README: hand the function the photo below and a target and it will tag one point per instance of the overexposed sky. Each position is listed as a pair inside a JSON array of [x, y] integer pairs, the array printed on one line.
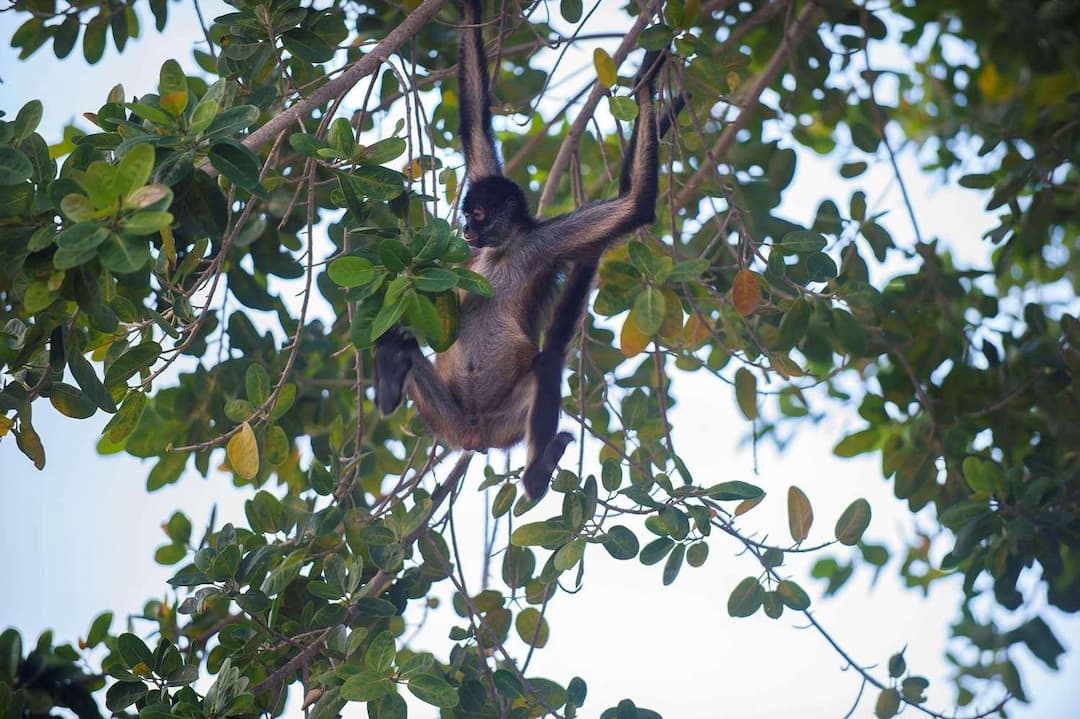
[[79, 537]]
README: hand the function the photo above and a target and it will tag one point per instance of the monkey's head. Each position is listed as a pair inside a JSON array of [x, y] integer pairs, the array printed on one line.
[[495, 210]]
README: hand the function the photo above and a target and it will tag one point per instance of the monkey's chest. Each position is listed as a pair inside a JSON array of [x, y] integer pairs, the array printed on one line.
[[491, 357]]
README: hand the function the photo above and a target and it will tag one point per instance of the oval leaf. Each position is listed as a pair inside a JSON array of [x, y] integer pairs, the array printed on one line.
[[800, 513], [243, 452]]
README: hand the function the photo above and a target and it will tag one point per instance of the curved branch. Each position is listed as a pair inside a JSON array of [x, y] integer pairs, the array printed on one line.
[[573, 135], [374, 587], [807, 19], [347, 80]]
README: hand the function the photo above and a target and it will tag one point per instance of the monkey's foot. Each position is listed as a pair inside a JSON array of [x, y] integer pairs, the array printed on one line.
[[538, 474], [392, 364]]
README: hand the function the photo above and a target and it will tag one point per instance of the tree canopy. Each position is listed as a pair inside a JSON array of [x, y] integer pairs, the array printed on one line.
[[212, 262]]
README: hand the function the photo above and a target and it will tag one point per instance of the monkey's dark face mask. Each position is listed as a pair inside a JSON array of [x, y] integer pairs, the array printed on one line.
[[495, 211]]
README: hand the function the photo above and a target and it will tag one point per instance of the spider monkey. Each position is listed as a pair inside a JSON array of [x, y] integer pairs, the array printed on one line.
[[495, 385]]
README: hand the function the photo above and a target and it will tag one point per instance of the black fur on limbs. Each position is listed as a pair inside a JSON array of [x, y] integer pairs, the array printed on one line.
[[497, 385]]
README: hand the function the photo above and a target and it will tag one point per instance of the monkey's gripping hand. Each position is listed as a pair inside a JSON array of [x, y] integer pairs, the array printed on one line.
[[393, 360]]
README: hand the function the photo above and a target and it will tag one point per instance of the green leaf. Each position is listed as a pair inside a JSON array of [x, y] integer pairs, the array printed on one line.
[[381, 652], [134, 169], [350, 271], [136, 359], [237, 163], [532, 627], [746, 392], [853, 522], [133, 651], [977, 181], [792, 595], [746, 598], [15, 167], [388, 315], [257, 383], [734, 490], [656, 550], [384, 150], [376, 182], [571, 12], [912, 688], [620, 542], [474, 283], [146, 223], [172, 87], [87, 378], [1040, 639], [435, 279], [275, 445], [94, 39], [99, 629], [366, 687], [802, 241], [124, 255], [78, 244], [569, 554], [229, 122], [861, 442], [123, 694], [394, 255], [655, 37], [673, 564], [263, 512], [887, 704], [71, 402], [623, 109], [648, 311], [539, 533], [821, 267], [697, 553], [306, 45], [123, 424], [433, 690]]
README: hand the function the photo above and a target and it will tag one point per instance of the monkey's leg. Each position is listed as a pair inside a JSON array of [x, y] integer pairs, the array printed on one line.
[[438, 407], [393, 359], [546, 446]]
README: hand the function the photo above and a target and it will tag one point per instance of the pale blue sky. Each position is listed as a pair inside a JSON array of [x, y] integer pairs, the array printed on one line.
[[79, 537]]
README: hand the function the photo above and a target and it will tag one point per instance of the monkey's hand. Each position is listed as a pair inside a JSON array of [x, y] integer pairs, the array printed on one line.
[[393, 360]]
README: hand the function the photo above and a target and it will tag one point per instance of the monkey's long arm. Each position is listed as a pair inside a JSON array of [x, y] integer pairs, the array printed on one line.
[[474, 101]]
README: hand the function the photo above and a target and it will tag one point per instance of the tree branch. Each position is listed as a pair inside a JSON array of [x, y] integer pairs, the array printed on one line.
[[347, 80], [573, 135], [807, 19]]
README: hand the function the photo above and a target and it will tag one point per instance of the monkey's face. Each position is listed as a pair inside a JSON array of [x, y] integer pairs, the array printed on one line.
[[495, 211], [475, 224]]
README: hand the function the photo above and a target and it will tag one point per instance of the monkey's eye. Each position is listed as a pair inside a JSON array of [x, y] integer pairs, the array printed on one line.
[[479, 214]]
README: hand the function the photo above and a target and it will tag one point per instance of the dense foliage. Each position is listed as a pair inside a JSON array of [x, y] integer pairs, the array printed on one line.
[[162, 262]]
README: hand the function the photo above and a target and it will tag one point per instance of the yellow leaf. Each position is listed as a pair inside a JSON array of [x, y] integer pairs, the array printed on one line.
[[786, 366], [632, 341], [800, 513], [243, 452], [747, 504], [613, 452], [5, 425], [605, 68], [733, 81], [746, 292], [673, 316], [695, 333]]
